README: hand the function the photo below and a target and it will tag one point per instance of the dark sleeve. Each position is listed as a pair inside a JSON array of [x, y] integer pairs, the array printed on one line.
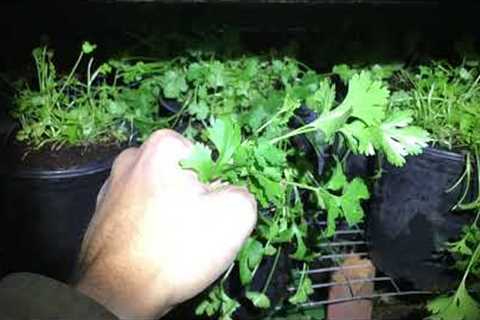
[[31, 296]]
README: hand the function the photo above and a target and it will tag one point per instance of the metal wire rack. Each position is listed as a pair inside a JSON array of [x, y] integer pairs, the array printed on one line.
[[348, 243]]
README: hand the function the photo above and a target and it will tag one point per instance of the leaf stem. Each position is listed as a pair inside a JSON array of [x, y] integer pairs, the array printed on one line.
[[272, 271]]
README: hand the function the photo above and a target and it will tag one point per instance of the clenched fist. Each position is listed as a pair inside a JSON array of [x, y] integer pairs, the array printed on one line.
[[159, 236]]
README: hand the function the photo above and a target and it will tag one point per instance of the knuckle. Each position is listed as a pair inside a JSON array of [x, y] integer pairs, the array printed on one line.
[[124, 158], [246, 202], [162, 136]]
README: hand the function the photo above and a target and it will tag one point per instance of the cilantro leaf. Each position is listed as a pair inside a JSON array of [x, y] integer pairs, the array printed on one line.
[[199, 109], [225, 135], [218, 302], [201, 162], [347, 204], [394, 137], [398, 140], [173, 83], [258, 299], [323, 98], [353, 193], [460, 306], [366, 98], [249, 258], [345, 72], [299, 232], [88, 47], [303, 292], [338, 179]]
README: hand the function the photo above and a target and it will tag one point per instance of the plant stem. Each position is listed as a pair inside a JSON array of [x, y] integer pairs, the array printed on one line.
[[72, 72], [272, 271], [229, 270], [302, 130]]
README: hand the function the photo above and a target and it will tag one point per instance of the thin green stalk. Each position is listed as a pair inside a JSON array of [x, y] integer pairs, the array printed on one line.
[[302, 130], [72, 72], [272, 271]]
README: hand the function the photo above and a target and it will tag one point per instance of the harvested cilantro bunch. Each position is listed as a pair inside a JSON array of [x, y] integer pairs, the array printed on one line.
[[252, 146]]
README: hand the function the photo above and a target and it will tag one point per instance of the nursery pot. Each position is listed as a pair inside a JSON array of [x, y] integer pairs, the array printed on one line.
[[45, 213], [411, 218]]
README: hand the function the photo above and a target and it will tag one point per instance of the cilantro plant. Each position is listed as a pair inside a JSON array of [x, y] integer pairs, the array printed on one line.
[[73, 110], [445, 101], [252, 146]]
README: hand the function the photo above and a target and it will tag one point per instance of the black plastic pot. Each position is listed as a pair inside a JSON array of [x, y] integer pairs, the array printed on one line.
[[410, 219], [45, 214]]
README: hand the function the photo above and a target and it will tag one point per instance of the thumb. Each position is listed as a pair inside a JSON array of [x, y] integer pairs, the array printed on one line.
[[235, 208]]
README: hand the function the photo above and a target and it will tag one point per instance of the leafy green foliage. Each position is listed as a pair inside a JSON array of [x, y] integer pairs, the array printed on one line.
[[443, 100], [394, 137], [63, 110], [366, 98], [225, 135], [258, 154], [347, 204], [304, 290], [239, 111], [249, 258], [460, 306], [218, 302], [258, 299]]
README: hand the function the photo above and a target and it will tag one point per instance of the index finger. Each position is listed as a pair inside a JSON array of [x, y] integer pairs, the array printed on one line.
[[161, 154]]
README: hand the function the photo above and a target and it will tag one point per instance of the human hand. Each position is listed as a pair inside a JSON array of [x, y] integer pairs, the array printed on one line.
[[159, 236]]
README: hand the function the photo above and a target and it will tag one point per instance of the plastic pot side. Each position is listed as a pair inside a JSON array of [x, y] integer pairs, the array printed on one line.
[[410, 219], [45, 215]]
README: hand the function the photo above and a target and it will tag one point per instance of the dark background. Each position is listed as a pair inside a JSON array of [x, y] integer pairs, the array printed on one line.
[[320, 33]]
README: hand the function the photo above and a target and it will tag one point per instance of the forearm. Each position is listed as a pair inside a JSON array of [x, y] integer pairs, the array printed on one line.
[[127, 298], [31, 296]]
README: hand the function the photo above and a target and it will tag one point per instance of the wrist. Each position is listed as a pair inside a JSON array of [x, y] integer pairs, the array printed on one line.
[[126, 299]]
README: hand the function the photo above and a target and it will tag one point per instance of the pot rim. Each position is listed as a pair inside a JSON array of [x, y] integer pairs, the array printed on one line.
[[89, 168], [443, 153]]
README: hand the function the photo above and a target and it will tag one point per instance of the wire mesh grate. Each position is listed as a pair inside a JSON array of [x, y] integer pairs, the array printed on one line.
[[348, 243]]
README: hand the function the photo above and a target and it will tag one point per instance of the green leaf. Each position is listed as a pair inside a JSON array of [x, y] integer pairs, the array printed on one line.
[[460, 306], [367, 98], [301, 250], [201, 162], [350, 202], [323, 98], [398, 140], [268, 154], [249, 258], [337, 180], [344, 71], [173, 83], [225, 135], [199, 109], [216, 76], [332, 205], [315, 314], [394, 137], [218, 303], [88, 48], [303, 292], [258, 299]]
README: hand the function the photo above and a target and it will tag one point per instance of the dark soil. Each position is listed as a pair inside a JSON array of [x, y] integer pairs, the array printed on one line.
[[21, 156]]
